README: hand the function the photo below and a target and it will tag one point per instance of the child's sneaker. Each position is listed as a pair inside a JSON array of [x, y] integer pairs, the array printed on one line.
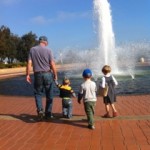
[[92, 127], [115, 114], [69, 116], [48, 116], [64, 116]]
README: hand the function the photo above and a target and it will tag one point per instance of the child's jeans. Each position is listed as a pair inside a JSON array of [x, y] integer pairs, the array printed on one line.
[[89, 108], [67, 107]]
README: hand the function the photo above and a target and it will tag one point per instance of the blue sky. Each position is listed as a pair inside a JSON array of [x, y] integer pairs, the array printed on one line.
[[69, 23]]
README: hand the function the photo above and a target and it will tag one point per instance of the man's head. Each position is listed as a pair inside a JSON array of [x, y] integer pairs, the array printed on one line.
[[43, 39]]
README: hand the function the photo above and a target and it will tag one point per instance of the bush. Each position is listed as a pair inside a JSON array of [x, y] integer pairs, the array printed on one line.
[[2, 66], [13, 65]]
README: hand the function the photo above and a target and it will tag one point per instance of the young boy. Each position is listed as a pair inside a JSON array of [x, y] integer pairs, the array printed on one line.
[[66, 92], [88, 93], [110, 98]]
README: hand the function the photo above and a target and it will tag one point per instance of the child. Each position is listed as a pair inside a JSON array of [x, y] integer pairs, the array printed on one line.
[[88, 93], [66, 93], [111, 96]]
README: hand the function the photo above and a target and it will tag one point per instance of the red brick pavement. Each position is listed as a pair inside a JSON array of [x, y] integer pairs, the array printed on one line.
[[19, 129]]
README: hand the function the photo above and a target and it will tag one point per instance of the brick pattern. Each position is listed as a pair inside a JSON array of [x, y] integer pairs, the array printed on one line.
[[19, 129]]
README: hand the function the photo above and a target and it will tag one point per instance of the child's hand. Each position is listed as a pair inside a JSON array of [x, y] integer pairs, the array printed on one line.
[[79, 101], [74, 95], [80, 96]]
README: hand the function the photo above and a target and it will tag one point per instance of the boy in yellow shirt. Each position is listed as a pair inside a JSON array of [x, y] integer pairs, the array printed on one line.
[[66, 92]]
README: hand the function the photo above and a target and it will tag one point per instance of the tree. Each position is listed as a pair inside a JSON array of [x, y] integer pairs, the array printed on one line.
[[12, 46], [4, 38], [26, 42], [8, 44]]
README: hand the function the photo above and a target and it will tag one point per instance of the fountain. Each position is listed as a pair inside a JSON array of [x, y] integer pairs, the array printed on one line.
[[106, 39], [122, 59], [105, 53], [126, 60]]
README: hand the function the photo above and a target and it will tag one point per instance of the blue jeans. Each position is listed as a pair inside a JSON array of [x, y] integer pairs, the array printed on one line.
[[43, 81], [67, 107]]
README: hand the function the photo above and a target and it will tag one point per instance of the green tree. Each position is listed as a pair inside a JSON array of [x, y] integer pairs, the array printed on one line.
[[26, 42], [12, 48], [4, 38], [8, 44]]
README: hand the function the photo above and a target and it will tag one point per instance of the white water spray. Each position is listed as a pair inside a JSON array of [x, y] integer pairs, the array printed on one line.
[[106, 38]]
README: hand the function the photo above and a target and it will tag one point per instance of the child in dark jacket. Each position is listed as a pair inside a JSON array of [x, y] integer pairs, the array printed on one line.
[[66, 92]]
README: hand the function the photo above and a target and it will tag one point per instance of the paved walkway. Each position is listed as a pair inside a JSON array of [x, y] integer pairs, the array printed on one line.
[[19, 129]]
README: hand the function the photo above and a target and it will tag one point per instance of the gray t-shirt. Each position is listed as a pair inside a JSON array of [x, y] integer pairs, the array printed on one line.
[[88, 89], [41, 57]]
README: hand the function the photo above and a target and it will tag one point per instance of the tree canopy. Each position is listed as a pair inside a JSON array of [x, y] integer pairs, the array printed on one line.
[[14, 47]]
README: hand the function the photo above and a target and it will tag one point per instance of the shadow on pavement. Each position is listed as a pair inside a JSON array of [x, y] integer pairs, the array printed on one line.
[[79, 121]]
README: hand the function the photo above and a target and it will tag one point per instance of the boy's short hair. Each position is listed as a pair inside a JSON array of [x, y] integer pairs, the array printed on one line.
[[66, 81], [106, 69]]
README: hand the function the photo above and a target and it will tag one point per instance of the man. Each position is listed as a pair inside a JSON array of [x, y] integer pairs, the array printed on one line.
[[44, 68]]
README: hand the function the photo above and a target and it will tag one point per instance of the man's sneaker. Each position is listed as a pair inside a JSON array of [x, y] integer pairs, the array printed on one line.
[[48, 116], [115, 114], [40, 115], [92, 127]]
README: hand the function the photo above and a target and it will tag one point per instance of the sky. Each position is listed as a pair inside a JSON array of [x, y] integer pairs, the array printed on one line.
[[68, 24]]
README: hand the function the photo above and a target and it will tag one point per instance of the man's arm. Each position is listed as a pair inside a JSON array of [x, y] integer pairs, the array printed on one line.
[[28, 69], [53, 67]]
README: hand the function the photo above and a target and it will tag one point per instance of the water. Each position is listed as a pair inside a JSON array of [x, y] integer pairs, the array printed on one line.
[[122, 59], [140, 85], [106, 38]]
